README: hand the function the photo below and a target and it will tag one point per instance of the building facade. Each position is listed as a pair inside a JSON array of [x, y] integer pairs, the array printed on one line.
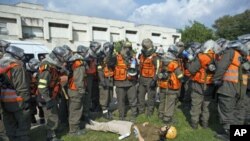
[[31, 22]]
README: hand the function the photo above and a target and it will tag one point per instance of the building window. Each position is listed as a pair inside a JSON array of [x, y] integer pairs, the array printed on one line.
[[99, 29], [175, 37], [58, 25], [100, 34], [31, 32], [3, 28], [156, 34], [130, 32]]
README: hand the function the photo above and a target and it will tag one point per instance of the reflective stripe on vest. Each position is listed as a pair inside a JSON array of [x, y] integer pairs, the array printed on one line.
[[232, 73], [147, 68], [9, 95]]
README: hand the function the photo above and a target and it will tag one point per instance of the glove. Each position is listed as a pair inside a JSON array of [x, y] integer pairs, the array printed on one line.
[[217, 83], [103, 84], [50, 104], [153, 84], [26, 105]]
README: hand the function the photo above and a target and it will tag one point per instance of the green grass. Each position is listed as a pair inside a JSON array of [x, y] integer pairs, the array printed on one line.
[[185, 132]]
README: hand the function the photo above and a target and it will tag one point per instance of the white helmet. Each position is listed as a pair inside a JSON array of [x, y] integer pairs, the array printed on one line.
[[209, 45]]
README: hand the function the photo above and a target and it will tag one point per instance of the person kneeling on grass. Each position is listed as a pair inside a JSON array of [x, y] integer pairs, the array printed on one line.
[[142, 132]]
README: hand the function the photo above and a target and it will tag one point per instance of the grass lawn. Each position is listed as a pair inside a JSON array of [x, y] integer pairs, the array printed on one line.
[[181, 118]]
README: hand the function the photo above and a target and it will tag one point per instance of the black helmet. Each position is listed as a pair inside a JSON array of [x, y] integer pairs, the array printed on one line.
[[16, 52], [82, 50], [33, 64], [94, 48], [108, 48], [61, 53]]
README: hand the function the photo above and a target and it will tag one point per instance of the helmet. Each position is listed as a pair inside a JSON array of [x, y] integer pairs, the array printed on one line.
[[160, 51], [61, 53], [82, 50], [16, 52], [195, 46], [4, 43], [173, 49], [179, 44], [33, 64], [147, 44], [67, 47], [209, 45], [167, 57], [147, 47], [171, 132], [244, 38], [127, 44], [94, 49], [223, 43], [108, 48], [237, 45]]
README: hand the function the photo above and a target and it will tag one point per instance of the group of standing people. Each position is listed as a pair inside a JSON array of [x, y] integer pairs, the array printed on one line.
[[84, 81]]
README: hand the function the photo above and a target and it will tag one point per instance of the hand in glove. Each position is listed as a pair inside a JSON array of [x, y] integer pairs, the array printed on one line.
[[50, 104], [153, 84]]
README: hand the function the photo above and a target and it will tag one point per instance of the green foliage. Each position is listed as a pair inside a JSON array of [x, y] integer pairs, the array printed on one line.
[[230, 27], [197, 32]]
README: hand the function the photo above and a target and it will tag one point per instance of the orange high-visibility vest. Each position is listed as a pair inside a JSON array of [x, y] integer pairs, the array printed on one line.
[[54, 84], [108, 72], [232, 73], [120, 72], [147, 68], [172, 82], [8, 94], [92, 67], [74, 66], [202, 76]]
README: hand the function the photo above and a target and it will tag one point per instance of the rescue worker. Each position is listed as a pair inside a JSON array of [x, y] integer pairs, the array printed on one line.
[[63, 100], [85, 118], [48, 87], [202, 70], [76, 91], [188, 56], [231, 82], [106, 73], [170, 84], [32, 72], [92, 77], [125, 77], [245, 39], [3, 136], [15, 95], [149, 67]]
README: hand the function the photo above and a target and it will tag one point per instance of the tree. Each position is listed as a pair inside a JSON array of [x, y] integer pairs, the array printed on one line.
[[230, 27], [197, 32]]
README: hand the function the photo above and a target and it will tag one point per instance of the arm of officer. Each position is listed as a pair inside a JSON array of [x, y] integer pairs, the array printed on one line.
[[178, 72], [100, 73], [43, 85], [19, 80], [156, 62], [194, 66], [223, 64], [78, 76]]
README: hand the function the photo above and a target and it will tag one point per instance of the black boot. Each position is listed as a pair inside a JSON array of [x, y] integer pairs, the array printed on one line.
[[224, 136]]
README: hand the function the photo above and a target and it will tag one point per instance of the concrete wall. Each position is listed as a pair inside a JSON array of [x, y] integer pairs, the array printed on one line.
[[31, 22]]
